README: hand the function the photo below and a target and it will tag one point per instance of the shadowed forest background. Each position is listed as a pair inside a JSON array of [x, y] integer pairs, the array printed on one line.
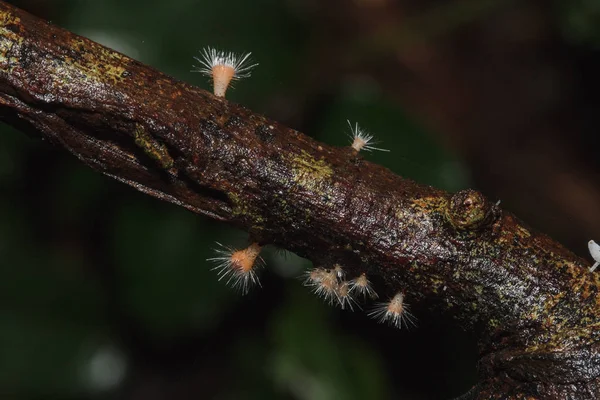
[[105, 292]]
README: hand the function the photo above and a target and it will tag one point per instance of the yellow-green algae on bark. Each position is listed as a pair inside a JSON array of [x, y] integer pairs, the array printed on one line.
[[310, 173], [152, 147], [8, 40]]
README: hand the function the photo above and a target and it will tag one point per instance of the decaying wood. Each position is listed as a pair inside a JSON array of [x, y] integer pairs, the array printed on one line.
[[533, 302]]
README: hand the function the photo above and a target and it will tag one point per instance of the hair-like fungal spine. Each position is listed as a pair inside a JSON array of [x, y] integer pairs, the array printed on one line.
[[313, 277], [595, 253], [395, 312], [329, 285], [363, 287], [344, 296], [361, 139], [223, 67], [323, 283], [238, 266], [339, 271]]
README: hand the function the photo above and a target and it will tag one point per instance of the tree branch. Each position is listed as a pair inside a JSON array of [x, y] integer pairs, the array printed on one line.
[[534, 303]]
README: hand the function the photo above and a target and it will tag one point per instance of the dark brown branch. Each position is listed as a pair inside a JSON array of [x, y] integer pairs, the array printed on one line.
[[533, 302]]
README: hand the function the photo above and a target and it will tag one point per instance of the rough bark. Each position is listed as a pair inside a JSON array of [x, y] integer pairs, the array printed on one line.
[[533, 302]]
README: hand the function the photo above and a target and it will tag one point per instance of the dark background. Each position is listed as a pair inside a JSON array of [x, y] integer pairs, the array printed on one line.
[[105, 293]]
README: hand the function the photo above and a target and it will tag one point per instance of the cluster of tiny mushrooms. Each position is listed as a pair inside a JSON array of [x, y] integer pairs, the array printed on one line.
[[238, 266]]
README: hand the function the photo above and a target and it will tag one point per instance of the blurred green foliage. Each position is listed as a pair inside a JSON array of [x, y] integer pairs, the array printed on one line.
[[580, 21], [97, 279]]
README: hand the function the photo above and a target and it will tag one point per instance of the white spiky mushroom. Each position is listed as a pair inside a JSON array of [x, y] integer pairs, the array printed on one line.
[[324, 283], [362, 286], [361, 139], [223, 67], [344, 296], [595, 253], [238, 266], [339, 271], [395, 312]]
